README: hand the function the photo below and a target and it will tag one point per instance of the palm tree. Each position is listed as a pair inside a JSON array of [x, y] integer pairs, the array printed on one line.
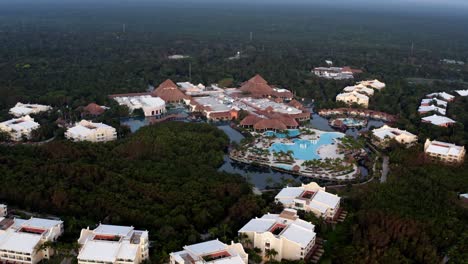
[[271, 253]]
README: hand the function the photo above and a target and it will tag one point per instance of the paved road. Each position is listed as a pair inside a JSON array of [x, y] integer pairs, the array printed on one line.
[[385, 169]]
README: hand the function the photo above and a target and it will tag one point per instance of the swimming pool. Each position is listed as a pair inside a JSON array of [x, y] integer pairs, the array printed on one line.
[[306, 149], [282, 166], [292, 133]]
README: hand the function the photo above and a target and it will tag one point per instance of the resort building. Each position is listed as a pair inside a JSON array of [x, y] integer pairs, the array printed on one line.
[[214, 108], [3, 210], [375, 84], [364, 113], [445, 152], [360, 89], [310, 198], [19, 128], [434, 101], [169, 92], [437, 120], [151, 106], [258, 87], [291, 237], [462, 92], [335, 73], [353, 97], [21, 109], [423, 109], [20, 240], [93, 132], [93, 109], [384, 134], [113, 244], [210, 252], [200, 89], [443, 95]]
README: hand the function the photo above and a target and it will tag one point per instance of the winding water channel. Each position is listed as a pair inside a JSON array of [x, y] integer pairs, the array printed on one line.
[[263, 177]]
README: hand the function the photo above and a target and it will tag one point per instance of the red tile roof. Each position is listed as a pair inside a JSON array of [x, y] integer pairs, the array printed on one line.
[[250, 120], [94, 109], [257, 86], [296, 104], [169, 92], [273, 124]]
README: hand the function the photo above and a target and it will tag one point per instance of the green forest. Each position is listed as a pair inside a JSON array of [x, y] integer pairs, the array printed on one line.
[[162, 179]]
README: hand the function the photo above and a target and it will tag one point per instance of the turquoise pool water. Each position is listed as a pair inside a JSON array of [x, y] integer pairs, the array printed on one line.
[[305, 149], [292, 133], [352, 122], [283, 166]]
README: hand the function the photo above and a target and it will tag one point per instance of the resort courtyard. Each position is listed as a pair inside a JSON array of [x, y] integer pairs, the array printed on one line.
[[306, 152]]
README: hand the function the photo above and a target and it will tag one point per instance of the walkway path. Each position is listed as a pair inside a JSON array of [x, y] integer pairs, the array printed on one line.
[[385, 169]]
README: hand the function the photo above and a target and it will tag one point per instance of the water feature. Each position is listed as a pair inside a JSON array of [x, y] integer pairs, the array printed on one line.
[[260, 177], [290, 134], [303, 149], [135, 123], [321, 123]]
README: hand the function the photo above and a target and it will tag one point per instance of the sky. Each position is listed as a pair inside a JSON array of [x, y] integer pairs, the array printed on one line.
[[403, 5]]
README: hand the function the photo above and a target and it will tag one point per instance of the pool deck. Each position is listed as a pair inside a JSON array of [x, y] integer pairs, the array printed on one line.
[[262, 153]]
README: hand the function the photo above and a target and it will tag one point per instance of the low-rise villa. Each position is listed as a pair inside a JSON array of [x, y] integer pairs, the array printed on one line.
[[438, 120], [336, 73], [211, 252], [353, 97], [384, 134], [291, 237], [19, 128], [311, 198], [151, 106], [462, 92], [360, 89], [434, 101], [423, 109], [21, 240], [360, 92], [3, 210], [445, 152], [93, 132], [375, 84], [113, 244], [21, 109], [442, 95]]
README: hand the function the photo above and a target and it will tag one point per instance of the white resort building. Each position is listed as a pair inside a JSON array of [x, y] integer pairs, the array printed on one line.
[[310, 198], [442, 95], [212, 252], [438, 120], [423, 109], [291, 237], [360, 89], [113, 244], [93, 132], [445, 152], [21, 109], [3, 210], [335, 73], [353, 97], [151, 106], [19, 128], [376, 84], [384, 134], [20, 239]]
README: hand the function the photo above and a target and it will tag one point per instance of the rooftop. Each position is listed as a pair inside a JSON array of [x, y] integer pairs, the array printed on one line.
[[291, 228], [443, 148], [438, 120]]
